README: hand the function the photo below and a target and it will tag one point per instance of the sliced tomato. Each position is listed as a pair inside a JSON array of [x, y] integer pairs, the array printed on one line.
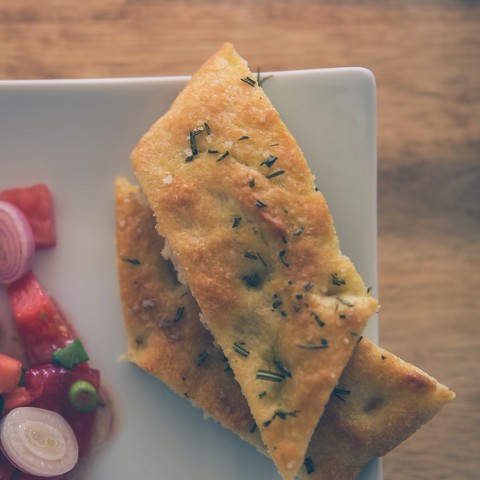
[[41, 325], [36, 203], [10, 373]]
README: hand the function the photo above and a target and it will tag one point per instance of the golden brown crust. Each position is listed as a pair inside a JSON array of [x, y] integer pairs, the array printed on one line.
[[277, 282], [165, 336], [380, 399]]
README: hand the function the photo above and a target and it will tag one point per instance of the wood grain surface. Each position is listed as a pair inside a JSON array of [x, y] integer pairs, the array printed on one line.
[[426, 59]]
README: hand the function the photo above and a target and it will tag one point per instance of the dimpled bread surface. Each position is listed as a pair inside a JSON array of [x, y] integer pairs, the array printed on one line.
[[233, 195], [379, 402]]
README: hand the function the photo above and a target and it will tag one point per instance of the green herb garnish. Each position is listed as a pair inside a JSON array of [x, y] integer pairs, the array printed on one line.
[[276, 174], [178, 314], [250, 255], [83, 396], [252, 281], [340, 393], [281, 254], [309, 466], [336, 280], [270, 376], [321, 346], [262, 394], [240, 349], [193, 141], [251, 183], [244, 137], [236, 222], [202, 356], [213, 152], [308, 286], [253, 427], [133, 261], [207, 128], [317, 319], [225, 155], [345, 302], [282, 369], [282, 414], [249, 80], [269, 161], [71, 355], [260, 204]]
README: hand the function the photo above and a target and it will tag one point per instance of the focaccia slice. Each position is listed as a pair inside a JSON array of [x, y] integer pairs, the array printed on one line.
[[235, 198], [379, 402]]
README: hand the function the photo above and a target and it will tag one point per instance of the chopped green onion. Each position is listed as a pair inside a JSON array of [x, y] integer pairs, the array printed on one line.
[[71, 355], [83, 396]]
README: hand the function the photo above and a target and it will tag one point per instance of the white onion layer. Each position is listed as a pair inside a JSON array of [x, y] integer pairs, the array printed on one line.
[[17, 245], [38, 441]]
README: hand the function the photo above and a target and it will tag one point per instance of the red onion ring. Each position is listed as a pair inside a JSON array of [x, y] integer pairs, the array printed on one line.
[[17, 245]]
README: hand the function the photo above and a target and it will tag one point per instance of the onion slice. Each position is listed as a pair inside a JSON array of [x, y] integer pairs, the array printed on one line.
[[17, 245], [38, 441]]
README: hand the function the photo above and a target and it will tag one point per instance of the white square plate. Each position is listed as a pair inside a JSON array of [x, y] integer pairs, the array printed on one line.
[[76, 136]]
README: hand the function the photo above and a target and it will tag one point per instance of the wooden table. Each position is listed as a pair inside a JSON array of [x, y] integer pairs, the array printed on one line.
[[426, 58]]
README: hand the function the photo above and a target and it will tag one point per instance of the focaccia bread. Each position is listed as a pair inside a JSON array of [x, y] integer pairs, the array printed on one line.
[[233, 195], [379, 401]]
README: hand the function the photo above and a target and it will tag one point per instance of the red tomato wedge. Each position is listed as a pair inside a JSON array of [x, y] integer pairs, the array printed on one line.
[[42, 327], [36, 203]]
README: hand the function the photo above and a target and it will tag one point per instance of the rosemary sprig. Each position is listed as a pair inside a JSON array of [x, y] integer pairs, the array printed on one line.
[[252, 281], [282, 368], [270, 376], [202, 356], [269, 161], [276, 174], [309, 466], [320, 322], [345, 302], [281, 255], [225, 155], [336, 280], [321, 346], [240, 349], [282, 414], [133, 261], [249, 81], [340, 393], [178, 314]]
